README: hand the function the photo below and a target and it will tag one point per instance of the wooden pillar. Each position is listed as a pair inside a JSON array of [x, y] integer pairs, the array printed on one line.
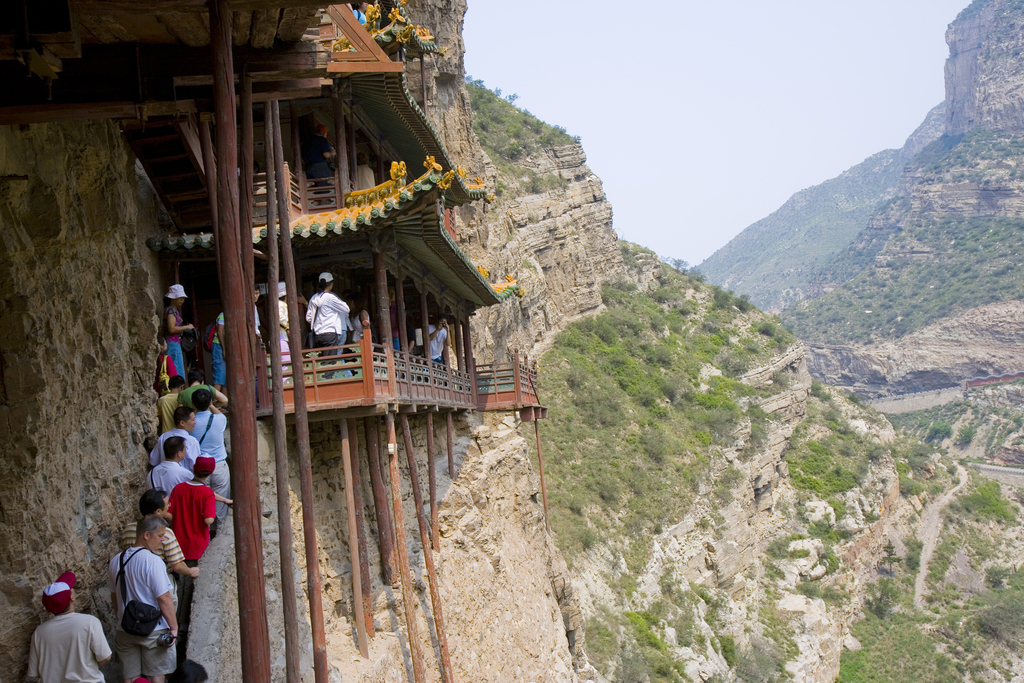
[[432, 480], [380, 280], [428, 554], [403, 331], [353, 544], [298, 169], [252, 599], [357, 495], [408, 597], [425, 324], [457, 333], [451, 446], [344, 183], [245, 209], [385, 530], [286, 537], [350, 128], [210, 169], [314, 586], [467, 345]]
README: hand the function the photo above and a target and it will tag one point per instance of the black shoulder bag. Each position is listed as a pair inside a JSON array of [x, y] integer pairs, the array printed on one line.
[[139, 619]]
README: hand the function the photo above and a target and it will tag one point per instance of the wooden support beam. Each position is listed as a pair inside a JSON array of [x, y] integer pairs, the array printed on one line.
[[451, 446], [432, 482], [343, 182], [286, 535], [245, 198], [177, 6], [357, 494], [353, 544], [313, 580], [403, 330], [428, 555], [247, 513], [385, 528], [408, 597], [467, 345]]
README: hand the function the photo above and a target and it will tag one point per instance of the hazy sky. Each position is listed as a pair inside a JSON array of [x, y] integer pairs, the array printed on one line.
[[702, 118]]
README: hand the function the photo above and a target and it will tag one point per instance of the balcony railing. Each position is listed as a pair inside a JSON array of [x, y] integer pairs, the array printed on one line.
[[365, 374]]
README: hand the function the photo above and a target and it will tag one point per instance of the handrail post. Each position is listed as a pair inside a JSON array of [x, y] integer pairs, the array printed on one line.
[[517, 379], [380, 279], [366, 349]]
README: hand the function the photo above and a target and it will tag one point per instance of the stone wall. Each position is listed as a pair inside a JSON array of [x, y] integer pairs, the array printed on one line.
[[909, 403], [508, 604], [78, 321]]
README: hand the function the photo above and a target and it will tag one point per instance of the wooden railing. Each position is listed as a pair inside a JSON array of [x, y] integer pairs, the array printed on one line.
[[366, 374], [506, 386]]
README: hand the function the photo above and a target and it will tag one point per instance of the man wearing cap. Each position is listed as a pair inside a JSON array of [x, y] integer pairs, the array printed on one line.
[[193, 510], [327, 315], [146, 581], [68, 646], [184, 422], [315, 153]]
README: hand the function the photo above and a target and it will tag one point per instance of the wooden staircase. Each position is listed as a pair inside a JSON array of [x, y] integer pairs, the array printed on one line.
[[170, 153]]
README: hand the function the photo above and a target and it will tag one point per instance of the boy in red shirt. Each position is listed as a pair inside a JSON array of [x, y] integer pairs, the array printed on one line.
[[193, 510]]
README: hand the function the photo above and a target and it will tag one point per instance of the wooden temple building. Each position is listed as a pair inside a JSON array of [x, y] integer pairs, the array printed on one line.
[[216, 100]]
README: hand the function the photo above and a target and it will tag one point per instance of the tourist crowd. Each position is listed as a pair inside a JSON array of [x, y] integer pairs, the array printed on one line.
[[152, 579]]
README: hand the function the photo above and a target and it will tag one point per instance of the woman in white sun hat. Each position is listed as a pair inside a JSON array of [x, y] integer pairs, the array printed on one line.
[[174, 325]]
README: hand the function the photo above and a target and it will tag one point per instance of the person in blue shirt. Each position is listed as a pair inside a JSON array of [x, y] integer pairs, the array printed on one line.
[[359, 9], [315, 154], [209, 432]]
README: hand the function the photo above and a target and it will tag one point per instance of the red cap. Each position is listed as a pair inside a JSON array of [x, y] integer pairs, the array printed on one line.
[[57, 595], [140, 679], [320, 128], [204, 465]]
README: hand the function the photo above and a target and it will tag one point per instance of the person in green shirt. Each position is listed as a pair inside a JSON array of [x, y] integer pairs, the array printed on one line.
[[195, 383]]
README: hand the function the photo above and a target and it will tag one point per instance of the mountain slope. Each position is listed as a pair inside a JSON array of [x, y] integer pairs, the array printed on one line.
[[777, 261]]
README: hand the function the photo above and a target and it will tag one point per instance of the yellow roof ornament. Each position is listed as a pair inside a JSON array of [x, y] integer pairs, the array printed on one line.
[[431, 164]]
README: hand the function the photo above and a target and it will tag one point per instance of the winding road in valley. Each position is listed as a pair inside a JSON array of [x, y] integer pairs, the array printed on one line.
[[931, 526]]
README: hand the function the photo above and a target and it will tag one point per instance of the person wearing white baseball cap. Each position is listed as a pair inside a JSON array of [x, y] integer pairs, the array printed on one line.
[[327, 316], [68, 646], [175, 325]]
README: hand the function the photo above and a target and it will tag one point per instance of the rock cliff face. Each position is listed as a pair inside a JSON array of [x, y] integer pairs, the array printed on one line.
[[983, 70], [76, 381], [984, 341], [559, 244]]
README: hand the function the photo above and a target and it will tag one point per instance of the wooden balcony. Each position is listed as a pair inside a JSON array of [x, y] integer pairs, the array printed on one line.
[[369, 378]]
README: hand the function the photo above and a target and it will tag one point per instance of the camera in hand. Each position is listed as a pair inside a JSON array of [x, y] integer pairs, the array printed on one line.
[[165, 639]]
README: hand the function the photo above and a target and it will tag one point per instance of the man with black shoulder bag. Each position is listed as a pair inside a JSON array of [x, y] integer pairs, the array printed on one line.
[[144, 638]]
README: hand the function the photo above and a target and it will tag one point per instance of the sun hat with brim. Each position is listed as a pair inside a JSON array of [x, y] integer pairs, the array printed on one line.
[[176, 292], [57, 596], [204, 465], [282, 289]]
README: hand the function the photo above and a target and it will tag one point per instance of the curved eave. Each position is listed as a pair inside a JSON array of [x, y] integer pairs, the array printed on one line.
[[389, 103], [416, 46]]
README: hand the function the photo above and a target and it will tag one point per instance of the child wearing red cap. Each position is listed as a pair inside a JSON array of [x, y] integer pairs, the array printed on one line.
[[193, 509], [68, 646]]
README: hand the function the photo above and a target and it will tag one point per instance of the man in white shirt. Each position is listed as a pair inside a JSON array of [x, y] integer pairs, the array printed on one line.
[[184, 422], [438, 337], [145, 580], [170, 472], [327, 316], [68, 646]]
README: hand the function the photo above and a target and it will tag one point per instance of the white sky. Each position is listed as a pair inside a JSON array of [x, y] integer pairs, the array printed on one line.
[[702, 118]]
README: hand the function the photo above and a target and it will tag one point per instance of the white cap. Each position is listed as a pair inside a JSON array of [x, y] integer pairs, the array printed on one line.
[[282, 289], [326, 277], [176, 292]]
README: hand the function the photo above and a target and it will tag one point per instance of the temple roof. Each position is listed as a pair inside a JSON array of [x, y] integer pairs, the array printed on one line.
[[420, 233], [398, 31]]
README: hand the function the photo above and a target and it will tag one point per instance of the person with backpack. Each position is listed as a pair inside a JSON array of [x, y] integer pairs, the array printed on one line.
[[174, 325], [165, 369], [209, 432], [140, 590]]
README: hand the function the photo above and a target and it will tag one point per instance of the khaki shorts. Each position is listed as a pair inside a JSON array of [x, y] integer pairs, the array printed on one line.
[[143, 656]]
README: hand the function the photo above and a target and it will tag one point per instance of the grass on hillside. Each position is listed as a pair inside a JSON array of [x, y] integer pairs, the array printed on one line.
[[975, 262], [510, 134], [634, 426]]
